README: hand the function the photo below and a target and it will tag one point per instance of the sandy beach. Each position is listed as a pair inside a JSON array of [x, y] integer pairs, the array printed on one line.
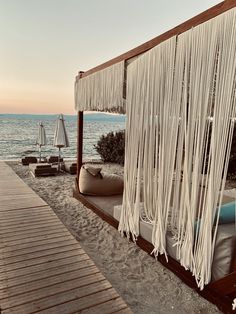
[[143, 283]]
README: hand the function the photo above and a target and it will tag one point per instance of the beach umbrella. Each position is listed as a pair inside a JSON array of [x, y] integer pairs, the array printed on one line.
[[41, 139], [60, 137]]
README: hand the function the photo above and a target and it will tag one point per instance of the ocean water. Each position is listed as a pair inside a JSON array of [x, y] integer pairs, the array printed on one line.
[[18, 133]]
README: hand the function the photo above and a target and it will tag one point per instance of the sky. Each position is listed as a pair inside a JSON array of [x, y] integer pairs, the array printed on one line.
[[44, 43]]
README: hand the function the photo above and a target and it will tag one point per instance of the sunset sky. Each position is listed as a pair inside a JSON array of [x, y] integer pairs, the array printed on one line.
[[44, 43]]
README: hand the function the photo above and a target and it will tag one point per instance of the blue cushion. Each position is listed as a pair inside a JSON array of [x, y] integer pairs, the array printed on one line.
[[226, 216], [227, 213]]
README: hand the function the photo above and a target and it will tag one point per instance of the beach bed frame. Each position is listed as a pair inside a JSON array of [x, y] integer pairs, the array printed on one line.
[[220, 292], [44, 169]]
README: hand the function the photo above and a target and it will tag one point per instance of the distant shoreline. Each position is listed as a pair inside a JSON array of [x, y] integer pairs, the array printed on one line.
[[19, 133], [89, 113]]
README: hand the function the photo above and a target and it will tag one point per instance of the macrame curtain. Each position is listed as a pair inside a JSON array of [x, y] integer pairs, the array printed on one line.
[[180, 119], [101, 91]]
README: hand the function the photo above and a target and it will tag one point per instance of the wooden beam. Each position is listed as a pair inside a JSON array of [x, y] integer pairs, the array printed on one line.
[[225, 285], [193, 22]]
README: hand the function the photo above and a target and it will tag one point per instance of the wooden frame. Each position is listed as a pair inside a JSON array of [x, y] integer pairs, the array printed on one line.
[[220, 292], [198, 19]]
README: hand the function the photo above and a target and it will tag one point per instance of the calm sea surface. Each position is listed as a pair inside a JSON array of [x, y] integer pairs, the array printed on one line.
[[18, 134]]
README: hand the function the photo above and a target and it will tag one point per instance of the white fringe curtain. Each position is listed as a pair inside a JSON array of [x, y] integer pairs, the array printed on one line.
[[101, 91], [180, 108]]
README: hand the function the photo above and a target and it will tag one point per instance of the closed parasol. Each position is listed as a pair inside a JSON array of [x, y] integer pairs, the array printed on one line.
[[41, 139], [60, 137]]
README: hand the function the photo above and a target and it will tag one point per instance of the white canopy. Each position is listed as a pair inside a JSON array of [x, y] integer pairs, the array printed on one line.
[[101, 91], [176, 158]]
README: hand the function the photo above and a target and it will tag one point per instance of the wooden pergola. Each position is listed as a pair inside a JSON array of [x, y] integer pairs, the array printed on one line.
[[198, 19], [220, 292]]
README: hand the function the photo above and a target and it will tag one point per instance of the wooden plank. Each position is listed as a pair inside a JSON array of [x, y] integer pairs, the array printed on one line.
[[30, 221], [17, 186], [187, 25], [21, 211], [40, 283], [57, 270], [30, 201], [26, 213], [49, 234], [32, 231], [111, 306], [7, 174], [76, 257], [29, 224], [26, 220], [8, 171], [12, 220], [40, 249], [63, 253], [15, 248], [46, 250], [79, 304], [3, 165], [19, 191], [36, 257], [5, 169], [8, 182], [21, 197], [53, 295], [44, 231]]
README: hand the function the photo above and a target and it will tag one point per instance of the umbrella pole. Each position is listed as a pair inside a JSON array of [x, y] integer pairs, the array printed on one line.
[[39, 153], [59, 157]]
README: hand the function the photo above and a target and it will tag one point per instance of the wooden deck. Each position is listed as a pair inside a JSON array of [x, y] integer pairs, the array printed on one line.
[[43, 269]]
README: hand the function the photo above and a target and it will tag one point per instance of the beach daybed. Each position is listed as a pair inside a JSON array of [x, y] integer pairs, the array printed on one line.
[[29, 160], [69, 167], [225, 247], [177, 129], [53, 159], [224, 261], [220, 290], [39, 170]]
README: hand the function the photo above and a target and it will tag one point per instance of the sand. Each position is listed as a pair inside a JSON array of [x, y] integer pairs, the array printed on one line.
[[143, 283]]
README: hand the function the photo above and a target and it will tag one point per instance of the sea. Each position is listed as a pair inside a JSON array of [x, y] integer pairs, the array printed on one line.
[[18, 134]]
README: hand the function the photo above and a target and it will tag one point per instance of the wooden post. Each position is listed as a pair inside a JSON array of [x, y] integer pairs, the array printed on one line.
[[80, 142], [80, 125]]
